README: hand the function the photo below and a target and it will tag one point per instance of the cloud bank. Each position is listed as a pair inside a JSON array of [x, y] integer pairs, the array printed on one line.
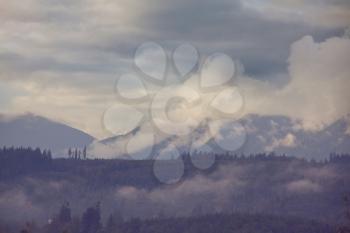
[[60, 58], [317, 91]]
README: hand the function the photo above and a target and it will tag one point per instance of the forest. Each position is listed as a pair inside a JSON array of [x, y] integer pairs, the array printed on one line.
[[90, 222], [240, 193]]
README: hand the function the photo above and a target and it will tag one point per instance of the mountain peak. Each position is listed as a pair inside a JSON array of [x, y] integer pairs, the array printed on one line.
[[30, 130]]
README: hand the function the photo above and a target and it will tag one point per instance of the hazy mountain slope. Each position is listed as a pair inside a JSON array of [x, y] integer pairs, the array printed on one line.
[[284, 135], [35, 131], [278, 134]]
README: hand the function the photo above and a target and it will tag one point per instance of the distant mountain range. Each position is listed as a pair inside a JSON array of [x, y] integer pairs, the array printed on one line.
[[284, 135], [34, 131], [278, 134]]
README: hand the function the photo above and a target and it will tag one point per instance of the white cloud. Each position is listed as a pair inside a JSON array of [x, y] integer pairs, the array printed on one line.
[[288, 141], [317, 91], [101, 150]]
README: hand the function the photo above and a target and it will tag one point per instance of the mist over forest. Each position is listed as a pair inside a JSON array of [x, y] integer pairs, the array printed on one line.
[[34, 187]]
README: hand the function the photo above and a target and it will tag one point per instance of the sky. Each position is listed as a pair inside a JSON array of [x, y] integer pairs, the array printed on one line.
[[61, 58]]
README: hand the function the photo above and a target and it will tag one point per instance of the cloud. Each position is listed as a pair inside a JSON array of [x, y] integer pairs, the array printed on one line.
[[303, 186], [319, 174], [62, 57], [183, 198], [28, 201], [16, 201], [319, 13], [108, 151], [317, 91], [288, 141]]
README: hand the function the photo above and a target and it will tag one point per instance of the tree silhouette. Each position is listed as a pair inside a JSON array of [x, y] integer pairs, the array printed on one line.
[[91, 220], [346, 229], [69, 153], [84, 152], [111, 224], [64, 215]]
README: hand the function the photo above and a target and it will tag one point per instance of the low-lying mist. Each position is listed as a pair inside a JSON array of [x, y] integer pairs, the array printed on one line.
[[273, 186]]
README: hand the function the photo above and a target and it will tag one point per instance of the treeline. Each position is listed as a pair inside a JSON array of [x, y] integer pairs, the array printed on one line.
[[272, 156], [91, 222], [16, 162], [77, 153], [12, 152], [339, 158], [20, 161]]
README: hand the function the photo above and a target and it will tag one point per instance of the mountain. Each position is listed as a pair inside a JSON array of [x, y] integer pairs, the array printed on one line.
[[35, 131], [287, 136], [278, 134]]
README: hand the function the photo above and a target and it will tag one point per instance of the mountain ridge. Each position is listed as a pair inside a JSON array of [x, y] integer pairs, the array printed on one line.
[[265, 133], [273, 133], [30, 130]]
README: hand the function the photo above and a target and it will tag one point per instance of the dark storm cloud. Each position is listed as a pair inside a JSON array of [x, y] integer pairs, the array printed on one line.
[[259, 41]]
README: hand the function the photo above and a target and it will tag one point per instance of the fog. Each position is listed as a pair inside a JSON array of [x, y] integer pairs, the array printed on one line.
[[275, 187]]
